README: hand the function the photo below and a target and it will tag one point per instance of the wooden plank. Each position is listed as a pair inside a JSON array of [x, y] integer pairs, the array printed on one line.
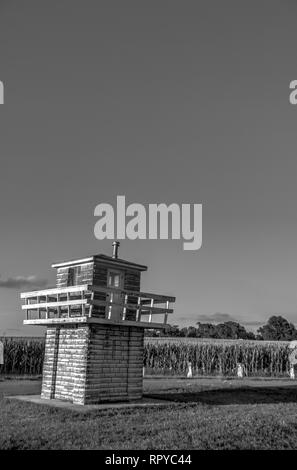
[[85, 319], [144, 310], [46, 305], [65, 264], [89, 287], [132, 293], [44, 292]]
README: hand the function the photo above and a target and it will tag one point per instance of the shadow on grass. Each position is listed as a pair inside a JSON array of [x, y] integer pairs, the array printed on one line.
[[234, 396]]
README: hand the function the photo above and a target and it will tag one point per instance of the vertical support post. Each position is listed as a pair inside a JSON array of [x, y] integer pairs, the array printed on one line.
[[58, 307], [46, 308], [166, 314], [125, 308], [110, 305], [83, 309], [138, 311], [38, 310], [91, 305], [68, 298], [55, 363], [150, 316]]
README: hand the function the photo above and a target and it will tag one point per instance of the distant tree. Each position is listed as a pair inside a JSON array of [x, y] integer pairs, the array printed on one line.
[[184, 331], [151, 333], [231, 330], [206, 330], [192, 332], [258, 336], [173, 330], [278, 329], [251, 335], [227, 330]]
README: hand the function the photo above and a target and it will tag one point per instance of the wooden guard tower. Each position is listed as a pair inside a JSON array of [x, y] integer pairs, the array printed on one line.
[[95, 320]]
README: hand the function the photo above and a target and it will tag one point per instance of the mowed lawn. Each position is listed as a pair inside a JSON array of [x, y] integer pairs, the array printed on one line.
[[206, 414]]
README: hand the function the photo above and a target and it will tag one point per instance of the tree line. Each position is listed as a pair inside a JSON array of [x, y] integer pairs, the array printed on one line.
[[277, 328]]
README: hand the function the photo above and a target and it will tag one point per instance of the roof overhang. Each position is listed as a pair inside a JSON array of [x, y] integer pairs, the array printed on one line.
[[93, 320], [102, 258]]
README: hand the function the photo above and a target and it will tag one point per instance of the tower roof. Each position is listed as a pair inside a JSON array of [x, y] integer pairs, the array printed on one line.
[[103, 258]]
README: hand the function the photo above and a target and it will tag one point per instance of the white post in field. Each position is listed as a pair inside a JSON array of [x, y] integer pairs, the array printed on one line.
[[190, 373], [1, 353], [1, 93]]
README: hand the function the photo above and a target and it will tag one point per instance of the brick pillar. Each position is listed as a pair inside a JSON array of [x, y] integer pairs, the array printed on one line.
[[50, 362], [93, 363], [80, 366], [135, 363], [114, 364]]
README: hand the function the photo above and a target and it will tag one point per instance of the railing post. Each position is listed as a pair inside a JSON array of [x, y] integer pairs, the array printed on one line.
[[91, 306], [38, 310], [125, 308], [110, 306], [58, 307], [138, 311], [166, 314], [46, 308], [83, 310], [68, 299], [150, 316]]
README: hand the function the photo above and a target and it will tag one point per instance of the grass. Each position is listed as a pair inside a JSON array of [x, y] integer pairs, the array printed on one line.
[[227, 416]]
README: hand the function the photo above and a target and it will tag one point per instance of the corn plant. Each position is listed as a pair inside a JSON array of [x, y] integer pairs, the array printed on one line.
[[22, 356], [25, 356], [265, 359]]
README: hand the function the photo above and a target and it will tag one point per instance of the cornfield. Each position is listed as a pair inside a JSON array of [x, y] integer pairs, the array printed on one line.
[[170, 356], [216, 358], [22, 356]]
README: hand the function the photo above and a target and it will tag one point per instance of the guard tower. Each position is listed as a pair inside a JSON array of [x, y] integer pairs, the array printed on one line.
[[95, 319]]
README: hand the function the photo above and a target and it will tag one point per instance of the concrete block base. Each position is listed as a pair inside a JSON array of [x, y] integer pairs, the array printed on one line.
[[93, 363], [143, 403]]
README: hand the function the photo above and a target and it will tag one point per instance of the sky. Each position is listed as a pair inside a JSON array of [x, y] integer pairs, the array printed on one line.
[[161, 101]]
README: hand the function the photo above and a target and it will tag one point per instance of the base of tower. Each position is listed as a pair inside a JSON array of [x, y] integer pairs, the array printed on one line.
[[145, 402], [93, 363]]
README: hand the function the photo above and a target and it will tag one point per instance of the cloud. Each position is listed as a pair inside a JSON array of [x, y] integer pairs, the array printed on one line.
[[224, 317], [215, 318], [253, 323], [23, 282]]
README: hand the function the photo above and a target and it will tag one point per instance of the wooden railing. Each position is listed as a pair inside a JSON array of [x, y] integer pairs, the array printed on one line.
[[85, 301]]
